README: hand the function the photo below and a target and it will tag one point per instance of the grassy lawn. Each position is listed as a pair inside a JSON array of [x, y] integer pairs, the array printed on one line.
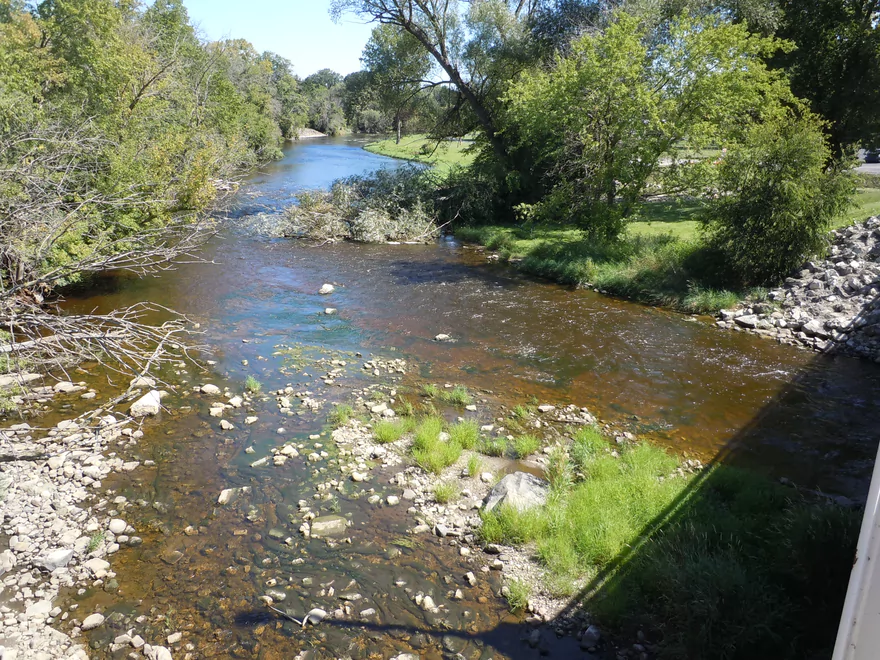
[[720, 563], [418, 147]]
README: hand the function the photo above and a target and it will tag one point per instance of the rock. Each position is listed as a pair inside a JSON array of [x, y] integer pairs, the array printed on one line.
[[330, 310], [331, 525], [65, 387], [442, 337], [545, 408], [148, 404], [314, 617], [10, 380], [93, 621], [142, 382], [157, 653], [209, 389], [326, 289], [39, 610], [55, 559], [520, 490], [392, 500], [226, 425], [117, 526], [97, 566], [173, 638], [250, 420], [226, 495], [590, 637], [816, 328], [7, 561], [747, 321]]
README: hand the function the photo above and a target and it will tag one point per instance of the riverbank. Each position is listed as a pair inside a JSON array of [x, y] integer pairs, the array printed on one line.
[[442, 155], [615, 542]]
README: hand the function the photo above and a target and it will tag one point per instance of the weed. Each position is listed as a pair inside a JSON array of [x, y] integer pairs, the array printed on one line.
[[587, 444], [474, 466], [445, 492], [431, 391], [385, 432], [340, 415], [430, 452], [466, 433], [559, 470], [378, 395], [95, 541], [520, 412], [518, 594], [404, 408], [252, 385], [457, 396], [526, 445], [494, 446]]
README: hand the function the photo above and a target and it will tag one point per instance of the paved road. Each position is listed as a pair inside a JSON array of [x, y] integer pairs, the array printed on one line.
[[871, 168]]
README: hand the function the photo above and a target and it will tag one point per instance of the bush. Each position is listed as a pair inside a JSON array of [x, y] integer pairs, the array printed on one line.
[[526, 445], [778, 199], [445, 492], [252, 385], [466, 433]]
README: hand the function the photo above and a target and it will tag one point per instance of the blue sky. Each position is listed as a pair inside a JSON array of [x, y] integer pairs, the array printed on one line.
[[300, 30]]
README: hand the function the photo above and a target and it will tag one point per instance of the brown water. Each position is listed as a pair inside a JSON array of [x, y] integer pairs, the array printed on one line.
[[710, 393]]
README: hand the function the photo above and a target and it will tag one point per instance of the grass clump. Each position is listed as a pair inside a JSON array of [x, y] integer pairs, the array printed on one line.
[[340, 415], [405, 408], [431, 391], [430, 452], [474, 465], [252, 385], [445, 492], [725, 563], [457, 396], [520, 412], [526, 445], [95, 541], [494, 446], [385, 431], [466, 433], [518, 594]]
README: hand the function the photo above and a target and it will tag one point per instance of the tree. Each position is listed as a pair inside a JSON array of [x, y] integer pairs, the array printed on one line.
[[442, 30], [399, 66], [598, 125], [778, 199], [836, 65]]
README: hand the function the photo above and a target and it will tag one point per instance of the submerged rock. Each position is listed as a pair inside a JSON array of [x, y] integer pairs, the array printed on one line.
[[329, 525], [326, 288], [148, 404], [520, 490]]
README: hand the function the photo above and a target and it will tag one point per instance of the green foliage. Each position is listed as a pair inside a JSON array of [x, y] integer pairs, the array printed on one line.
[[430, 452], [95, 541], [252, 385], [456, 396], [526, 445], [518, 594], [494, 446], [698, 87], [385, 431], [474, 465], [404, 408], [431, 391], [445, 492], [465, 433], [779, 200], [340, 415]]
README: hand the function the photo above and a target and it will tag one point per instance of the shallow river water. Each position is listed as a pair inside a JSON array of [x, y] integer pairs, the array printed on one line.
[[714, 394]]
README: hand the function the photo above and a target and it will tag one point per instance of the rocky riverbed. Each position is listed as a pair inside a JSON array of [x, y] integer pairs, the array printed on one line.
[[831, 305]]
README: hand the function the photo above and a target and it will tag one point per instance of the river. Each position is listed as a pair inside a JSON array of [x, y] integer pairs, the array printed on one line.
[[713, 394]]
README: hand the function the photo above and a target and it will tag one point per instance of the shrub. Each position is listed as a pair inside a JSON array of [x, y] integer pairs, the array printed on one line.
[[778, 199]]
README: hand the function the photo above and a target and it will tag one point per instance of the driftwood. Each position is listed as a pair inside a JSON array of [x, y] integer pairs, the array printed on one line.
[[13, 458]]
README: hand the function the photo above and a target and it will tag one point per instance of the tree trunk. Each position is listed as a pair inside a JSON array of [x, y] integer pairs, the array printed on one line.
[[398, 123]]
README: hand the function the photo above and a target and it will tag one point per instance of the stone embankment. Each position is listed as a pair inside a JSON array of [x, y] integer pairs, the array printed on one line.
[[829, 306]]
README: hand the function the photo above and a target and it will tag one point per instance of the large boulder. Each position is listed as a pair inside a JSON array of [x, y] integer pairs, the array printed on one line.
[[55, 559], [520, 490]]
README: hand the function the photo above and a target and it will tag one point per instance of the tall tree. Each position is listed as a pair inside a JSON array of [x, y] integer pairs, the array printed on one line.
[[399, 66], [837, 65]]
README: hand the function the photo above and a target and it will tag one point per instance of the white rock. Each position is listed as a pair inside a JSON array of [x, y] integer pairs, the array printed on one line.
[[225, 495], [92, 621], [330, 310], [236, 402], [173, 638], [55, 559], [157, 653], [210, 389], [392, 500], [250, 420], [117, 526], [545, 408], [142, 382], [226, 425], [148, 404], [326, 288]]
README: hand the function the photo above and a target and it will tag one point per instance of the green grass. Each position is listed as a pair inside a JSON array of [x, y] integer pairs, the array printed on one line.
[[526, 445], [727, 564], [442, 156], [404, 408], [340, 415], [474, 465], [465, 433], [867, 205], [7, 405], [521, 412], [95, 541], [493, 446], [445, 492], [385, 431], [252, 385], [456, 396], [431, 391], [518, 594], [654, 267], [430, 452]]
